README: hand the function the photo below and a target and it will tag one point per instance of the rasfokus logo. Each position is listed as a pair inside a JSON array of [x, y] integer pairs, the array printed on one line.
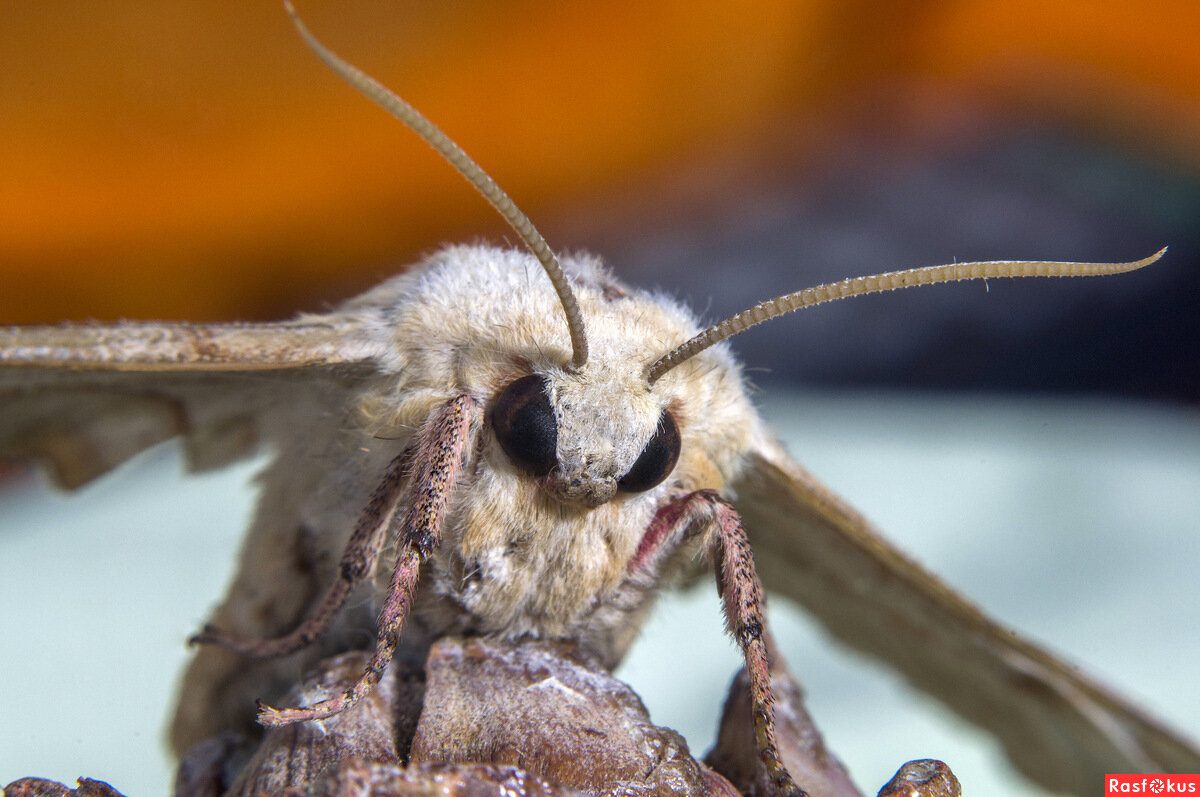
[[1151, 784]]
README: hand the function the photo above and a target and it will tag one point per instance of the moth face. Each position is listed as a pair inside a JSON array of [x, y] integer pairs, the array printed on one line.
[[587, 436]]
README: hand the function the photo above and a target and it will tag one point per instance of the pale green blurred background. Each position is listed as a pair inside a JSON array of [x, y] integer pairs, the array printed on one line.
[[1073, 521]]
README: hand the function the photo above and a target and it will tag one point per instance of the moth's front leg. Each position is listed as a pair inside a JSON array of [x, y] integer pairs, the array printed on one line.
[[438, 458], [742, 595]]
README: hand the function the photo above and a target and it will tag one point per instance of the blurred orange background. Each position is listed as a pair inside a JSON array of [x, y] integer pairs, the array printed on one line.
[[195, 161]]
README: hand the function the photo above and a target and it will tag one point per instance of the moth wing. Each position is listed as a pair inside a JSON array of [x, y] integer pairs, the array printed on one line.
[[84, 398], [1060, 728]]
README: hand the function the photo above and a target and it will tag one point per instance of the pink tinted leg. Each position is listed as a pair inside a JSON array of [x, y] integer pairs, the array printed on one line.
[[741, 592]]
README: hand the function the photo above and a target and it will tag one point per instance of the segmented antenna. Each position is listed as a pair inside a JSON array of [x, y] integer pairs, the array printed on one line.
[[890, 281], [469, 169]]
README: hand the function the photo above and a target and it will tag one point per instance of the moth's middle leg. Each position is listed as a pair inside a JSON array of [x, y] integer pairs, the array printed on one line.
[[358, 562]]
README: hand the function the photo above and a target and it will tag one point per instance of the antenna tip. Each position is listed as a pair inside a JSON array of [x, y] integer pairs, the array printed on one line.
[[1145, 261]]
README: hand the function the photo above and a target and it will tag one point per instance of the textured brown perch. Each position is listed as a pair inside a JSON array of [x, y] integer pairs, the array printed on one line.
[[488, 719]]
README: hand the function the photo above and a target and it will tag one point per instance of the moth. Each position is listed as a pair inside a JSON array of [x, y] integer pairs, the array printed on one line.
[[500, 443]]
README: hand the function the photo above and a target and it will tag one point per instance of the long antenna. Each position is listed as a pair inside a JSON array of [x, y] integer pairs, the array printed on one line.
[[464, 165], [890, 281]]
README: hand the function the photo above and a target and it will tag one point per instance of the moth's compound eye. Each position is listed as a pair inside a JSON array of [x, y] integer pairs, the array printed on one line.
[[657, 459], [524, 424]]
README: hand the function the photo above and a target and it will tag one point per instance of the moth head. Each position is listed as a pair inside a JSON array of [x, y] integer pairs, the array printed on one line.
[[563, 427], [587, 435]]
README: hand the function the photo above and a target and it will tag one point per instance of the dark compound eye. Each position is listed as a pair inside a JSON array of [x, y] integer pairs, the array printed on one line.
[[524, 424], [657, 460]]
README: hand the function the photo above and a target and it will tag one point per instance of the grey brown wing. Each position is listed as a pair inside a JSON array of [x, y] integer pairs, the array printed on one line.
[[84, 398], [1060, 728]]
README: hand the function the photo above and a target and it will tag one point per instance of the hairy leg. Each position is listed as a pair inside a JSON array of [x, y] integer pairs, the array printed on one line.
[[742, 595], [437, 462]]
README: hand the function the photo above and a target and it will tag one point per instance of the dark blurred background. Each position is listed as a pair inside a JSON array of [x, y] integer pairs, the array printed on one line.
[[196, 162]]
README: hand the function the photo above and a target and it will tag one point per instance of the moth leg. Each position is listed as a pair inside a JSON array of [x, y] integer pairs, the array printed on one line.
[[358, 563], [437, 463], [742, 595]]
